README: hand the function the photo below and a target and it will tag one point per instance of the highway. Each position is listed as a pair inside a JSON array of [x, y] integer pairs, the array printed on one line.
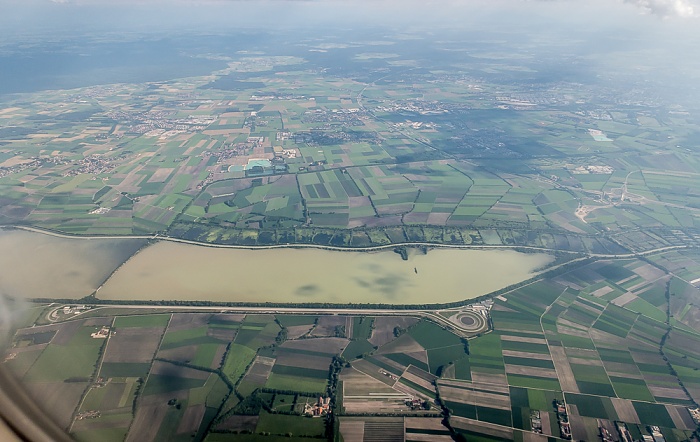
[[52, 316]]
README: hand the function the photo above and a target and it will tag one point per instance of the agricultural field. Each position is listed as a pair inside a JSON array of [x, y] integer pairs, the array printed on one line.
[[357, 429], [257, 158], [601, 342], [580, 350], [596, 339], [184, 376], [288, 131]]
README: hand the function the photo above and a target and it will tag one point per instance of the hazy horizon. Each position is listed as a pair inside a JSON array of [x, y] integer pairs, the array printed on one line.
[[220, 15]]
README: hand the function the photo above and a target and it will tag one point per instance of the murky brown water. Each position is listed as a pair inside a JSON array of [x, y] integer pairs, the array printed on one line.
[[37, 265], [41, 266], [183, 272]]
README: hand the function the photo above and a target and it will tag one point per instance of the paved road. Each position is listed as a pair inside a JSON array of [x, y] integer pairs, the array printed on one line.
[[52, 318]]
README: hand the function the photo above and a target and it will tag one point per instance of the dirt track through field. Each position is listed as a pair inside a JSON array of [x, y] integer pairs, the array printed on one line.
[[564, 372]]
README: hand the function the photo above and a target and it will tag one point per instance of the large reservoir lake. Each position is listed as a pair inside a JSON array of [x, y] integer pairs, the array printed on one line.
[[39, 265], [179, 272]]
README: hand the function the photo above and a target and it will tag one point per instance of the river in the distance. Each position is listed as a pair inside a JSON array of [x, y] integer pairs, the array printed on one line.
[[170, 271]]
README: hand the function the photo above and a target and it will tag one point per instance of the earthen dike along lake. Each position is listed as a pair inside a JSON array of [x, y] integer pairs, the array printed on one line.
[[37, 265]]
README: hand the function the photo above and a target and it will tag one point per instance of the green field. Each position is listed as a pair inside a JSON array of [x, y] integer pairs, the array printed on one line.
[[357, 348], [76, 359], [295, 383], [237, 359], [165, 384], [349, 137], [294, 425], [142, 321], [373, 182], [294, 320], [431, 336], [612, 352]]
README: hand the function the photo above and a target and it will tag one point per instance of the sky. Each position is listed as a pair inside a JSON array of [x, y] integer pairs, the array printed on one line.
[[669, 28], [55, 15]]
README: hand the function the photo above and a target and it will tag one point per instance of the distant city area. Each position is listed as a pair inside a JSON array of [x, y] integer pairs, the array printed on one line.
[[247, 156], [355, 233]]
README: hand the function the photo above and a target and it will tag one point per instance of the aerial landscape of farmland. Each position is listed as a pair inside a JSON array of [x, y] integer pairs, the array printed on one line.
[[609, 344], [351, 221]]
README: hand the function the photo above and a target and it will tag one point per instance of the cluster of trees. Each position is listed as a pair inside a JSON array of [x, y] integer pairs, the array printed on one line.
[[403, 251], [331, 391], [281, 336], [276, 231], [251, 405], [93, 300], [339, 331]]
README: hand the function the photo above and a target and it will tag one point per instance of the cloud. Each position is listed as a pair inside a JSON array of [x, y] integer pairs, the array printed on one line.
[[9, 308], [307, 290], [661, 8], [667, 8]]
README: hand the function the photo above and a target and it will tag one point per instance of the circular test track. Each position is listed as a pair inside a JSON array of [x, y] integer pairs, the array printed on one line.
[[469, 321]]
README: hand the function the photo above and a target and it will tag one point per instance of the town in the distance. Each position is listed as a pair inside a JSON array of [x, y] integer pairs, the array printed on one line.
[[393, 235]]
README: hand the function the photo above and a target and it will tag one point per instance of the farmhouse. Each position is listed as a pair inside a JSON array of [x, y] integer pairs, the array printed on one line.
[[320, 408], [415, 403], [695, 413], [102, 334], [624, 432]]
